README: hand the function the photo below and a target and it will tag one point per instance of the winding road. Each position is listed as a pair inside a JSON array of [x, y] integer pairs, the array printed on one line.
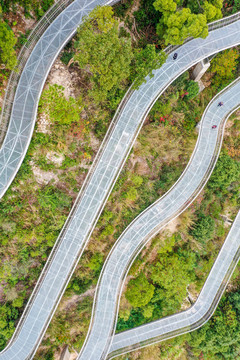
[[198, 314], [154, 218], [103, 174]]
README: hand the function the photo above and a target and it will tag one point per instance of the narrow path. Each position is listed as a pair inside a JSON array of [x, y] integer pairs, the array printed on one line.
[[150, 221]]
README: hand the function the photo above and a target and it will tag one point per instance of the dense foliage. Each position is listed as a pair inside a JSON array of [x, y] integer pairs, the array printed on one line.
[[38, 6], [60, 110], [109, 57], [7, 42], [220, 337]]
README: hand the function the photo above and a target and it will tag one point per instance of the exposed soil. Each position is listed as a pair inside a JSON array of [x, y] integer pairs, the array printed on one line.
[[73, 300], [60, 75]]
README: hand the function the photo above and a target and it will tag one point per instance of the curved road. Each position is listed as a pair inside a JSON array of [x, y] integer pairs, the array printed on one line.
[[110, 159], [198, 314], [31, 82], [150, 221]]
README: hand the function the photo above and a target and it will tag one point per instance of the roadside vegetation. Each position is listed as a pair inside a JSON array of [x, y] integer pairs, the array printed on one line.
[[71, 125]]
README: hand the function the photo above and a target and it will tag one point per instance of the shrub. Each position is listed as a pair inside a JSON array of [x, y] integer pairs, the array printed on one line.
[[139, 291], [203, 228], [192, 88]]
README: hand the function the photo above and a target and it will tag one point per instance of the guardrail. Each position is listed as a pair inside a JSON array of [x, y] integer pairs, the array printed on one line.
[[195, 325], [26, 50], [36, 33], [55, 248], [174, 215]]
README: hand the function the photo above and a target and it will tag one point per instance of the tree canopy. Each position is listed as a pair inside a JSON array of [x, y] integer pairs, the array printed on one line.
[[109, 57], [8, 40], [60, 109], [101, 51], [177, 25], [225, 63], [145, 61], [203, 228], [139, 291], [226, 171], [220, 337], [172, 273]]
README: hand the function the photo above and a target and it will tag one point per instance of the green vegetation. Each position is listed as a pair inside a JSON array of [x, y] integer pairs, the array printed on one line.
[[218, 339], [59, 109], [38, 6], [109, 57], [105, 58], [203, 230], [180, 25], [8, 57], [139, 291], [225, 173], [103, 52]]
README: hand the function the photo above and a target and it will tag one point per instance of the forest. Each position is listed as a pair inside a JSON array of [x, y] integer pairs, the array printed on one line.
[[114, 48]]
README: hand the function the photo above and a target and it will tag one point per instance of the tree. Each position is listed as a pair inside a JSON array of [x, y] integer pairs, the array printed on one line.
[[165, 5], [139, 291], [177, 25], [183, 24], [59, 109], [172, 273], [236, 6], [145, 61], [103, 53], [192, 88], [220, 337], [8, 315], [203, 228], [212, 12], [227, 170], [225, 63], [8, 57]]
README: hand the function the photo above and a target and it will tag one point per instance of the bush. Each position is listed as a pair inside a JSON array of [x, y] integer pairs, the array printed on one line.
[[203, 228], [192, 89], [227, 170], [59, 109], [139, 291]]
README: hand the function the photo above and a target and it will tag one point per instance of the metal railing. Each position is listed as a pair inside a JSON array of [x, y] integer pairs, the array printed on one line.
[[186, 204], [195, 325], [120, 109], [24, 53]]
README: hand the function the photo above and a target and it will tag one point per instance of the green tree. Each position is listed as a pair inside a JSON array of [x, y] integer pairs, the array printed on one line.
[[59, 109], [203, 229], [139, 291], [177, 25], [103, 53], [8, 40], [225, 63], [183, 24], [8, 315], [220, 337], [165, 6], [145, 61], [192, 88], [236, 6], [172, 273], [96, 262], [227, 170], [212, 12]]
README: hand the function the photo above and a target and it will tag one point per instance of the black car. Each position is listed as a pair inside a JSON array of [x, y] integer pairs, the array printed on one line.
[[175, 56]]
